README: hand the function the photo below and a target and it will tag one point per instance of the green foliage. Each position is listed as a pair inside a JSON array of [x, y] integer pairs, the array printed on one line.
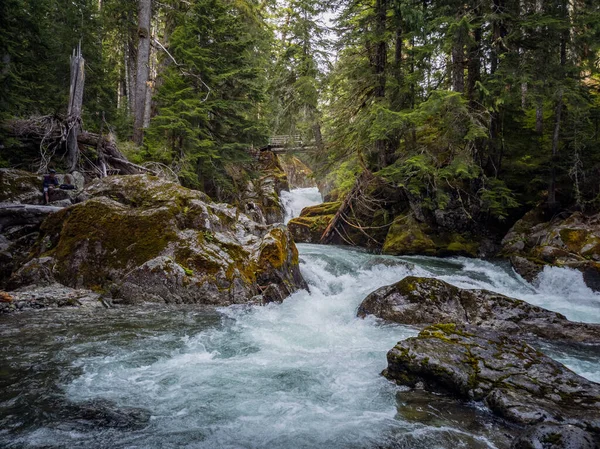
[[209, 106]]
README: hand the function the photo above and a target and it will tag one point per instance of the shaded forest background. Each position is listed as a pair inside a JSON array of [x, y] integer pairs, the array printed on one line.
[[497, 101]]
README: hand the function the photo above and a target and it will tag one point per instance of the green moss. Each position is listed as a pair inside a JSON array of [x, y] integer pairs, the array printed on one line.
[[574, 239], [273, 253], [406, 236], [107, 236], [321, 209]]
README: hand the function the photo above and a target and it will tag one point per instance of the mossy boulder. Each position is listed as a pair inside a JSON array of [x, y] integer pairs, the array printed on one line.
[[554, 436], [312, 222], [514, 380], [425, 301], [408, 236], [572, 242], [141, 238]]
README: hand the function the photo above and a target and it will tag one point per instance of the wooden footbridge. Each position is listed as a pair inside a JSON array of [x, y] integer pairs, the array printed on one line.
[[288, 144]]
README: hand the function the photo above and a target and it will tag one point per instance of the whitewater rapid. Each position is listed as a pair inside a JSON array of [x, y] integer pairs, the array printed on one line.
[[301, 374]]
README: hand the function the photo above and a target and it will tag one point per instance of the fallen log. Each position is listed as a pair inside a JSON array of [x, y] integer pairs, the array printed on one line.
[[13, 214]]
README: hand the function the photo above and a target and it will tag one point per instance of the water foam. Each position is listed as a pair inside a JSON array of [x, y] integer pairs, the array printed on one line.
[[301, 374], [293, 202]]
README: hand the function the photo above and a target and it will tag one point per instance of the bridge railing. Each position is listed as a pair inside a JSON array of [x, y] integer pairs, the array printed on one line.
[[284, 141]]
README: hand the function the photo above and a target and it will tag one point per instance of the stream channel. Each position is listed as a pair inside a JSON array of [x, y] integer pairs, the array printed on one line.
[[301, 374]]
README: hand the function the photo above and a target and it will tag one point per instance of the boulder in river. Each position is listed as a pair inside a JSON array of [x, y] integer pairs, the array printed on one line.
[[425, 301], [312, 222], [142, 238], [572, 242], [514, 380]]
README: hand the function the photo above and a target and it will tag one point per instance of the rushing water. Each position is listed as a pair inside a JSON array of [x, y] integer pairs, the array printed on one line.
[[301, 374], [293, 202]]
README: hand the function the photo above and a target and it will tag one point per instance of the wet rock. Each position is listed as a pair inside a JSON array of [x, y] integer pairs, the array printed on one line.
[[312, 222], [554, 436], [512, 379], [53, 295], [141, 238], [101, 413], [572, 242], [425, 301]]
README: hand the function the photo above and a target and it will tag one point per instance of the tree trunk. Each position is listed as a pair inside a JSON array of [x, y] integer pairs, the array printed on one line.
[[474, 66], [75, 107], [143, 56], [458, 58]]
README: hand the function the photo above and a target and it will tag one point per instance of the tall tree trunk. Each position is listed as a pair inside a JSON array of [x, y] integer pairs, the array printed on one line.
[[75, 107], [458, 60], [382, 148], [564, 37], [143, 57], [474, 66]]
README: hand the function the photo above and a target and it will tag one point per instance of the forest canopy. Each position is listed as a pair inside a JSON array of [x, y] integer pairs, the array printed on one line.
[[497, 99]]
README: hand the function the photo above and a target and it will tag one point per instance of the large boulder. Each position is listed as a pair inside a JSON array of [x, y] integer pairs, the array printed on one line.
[[425, 301], [141, 238], [312, 222], [19, 229], [572, 242], [513, 379]]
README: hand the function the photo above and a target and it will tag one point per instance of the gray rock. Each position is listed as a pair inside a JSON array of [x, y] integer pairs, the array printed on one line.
[[514, 380], [52, 295], [425, 301], [143, 238], [572, 242], [554, 436]]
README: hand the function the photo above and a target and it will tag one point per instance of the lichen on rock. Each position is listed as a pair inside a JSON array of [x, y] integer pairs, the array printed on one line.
[[572, 242], [514, 380]]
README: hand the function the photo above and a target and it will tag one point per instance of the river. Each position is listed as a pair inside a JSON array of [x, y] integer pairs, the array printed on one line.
[[301, 374]]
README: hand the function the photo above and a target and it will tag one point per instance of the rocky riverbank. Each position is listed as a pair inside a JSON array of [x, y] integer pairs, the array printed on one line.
[[130, 239]]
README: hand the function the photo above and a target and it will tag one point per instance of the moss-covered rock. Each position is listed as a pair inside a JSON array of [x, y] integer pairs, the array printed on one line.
[[425, 301], [142, 238], [554, 436], [407, 236], [511, 378], [18, 186], [312, 222], [573, 242]]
